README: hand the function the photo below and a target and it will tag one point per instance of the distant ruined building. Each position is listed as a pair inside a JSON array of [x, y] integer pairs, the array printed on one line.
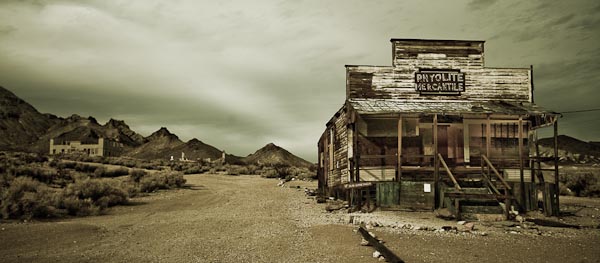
[[97, 147]]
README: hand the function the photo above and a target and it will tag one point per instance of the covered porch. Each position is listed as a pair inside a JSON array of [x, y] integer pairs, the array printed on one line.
[[467, 156]]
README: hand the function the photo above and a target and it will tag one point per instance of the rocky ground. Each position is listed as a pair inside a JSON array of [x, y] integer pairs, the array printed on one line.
[[222, 218]]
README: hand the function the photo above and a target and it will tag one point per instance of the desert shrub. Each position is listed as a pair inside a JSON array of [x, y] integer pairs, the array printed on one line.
[[137, 174], [102, 193], [32, 158], [236, 170], [79, 207], [161, 180], [102, 171], [63, 178], [302, 173], [270, 173], [53, 163], [581, 184], [26, 198], [253, 169], [198, 169], [66, 165], [46, 175], [85, 168]]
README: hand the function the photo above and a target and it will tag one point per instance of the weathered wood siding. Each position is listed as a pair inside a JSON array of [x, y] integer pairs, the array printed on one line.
[[336, 165], [397, 81]]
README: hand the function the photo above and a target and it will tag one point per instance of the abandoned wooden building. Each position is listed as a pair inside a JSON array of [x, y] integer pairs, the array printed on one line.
[[438, 129]]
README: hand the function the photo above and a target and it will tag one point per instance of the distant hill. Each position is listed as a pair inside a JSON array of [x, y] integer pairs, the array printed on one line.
[[273, 154], [159, 145], [571, 150], [77, 128], [20, 123], [23, 128]]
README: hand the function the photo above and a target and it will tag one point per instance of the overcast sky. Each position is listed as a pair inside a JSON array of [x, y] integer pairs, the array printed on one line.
[[241, 74]]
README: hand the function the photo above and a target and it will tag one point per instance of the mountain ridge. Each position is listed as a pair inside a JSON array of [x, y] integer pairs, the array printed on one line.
[[24, 128]]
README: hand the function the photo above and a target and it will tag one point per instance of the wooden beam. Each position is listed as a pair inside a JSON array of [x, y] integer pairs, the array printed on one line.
[[521, 172], [399, 164], [556, 210], [436, 168], [488, 139], [388, 254]]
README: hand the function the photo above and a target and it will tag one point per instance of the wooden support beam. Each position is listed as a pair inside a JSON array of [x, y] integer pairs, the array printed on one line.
[[556, 210], [399, 164], [488, 139], [523, 205], [387, 253], [436, 164]]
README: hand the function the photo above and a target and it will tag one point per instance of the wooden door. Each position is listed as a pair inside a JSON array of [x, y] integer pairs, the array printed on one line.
[[451, 143]]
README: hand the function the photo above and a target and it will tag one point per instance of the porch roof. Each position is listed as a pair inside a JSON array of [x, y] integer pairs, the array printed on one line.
[[387, 106]]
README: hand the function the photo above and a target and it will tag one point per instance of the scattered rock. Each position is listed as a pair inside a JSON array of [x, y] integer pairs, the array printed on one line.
[[382, 258], [364, 242], [461, 222], [448, 228], [469, 226], [443, 213], [376, 254]]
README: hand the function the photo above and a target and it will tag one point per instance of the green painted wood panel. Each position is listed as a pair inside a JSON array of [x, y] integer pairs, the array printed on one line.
[[388, 194]]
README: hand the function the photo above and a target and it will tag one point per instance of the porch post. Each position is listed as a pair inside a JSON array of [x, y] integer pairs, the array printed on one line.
[[556, 188], [436, 167], [399, 163], [488, 139], [521, 173]]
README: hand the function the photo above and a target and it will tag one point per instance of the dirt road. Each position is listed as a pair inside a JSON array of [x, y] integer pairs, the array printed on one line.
[[219, 219], [249, 219]]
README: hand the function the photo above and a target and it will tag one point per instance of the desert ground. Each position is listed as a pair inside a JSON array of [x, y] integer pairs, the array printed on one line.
[[219, 218]]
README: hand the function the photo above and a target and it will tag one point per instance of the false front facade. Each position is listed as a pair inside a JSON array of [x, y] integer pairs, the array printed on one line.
[[437, 129]]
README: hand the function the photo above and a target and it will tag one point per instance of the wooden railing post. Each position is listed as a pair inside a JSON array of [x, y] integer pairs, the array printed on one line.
[[441, 160]]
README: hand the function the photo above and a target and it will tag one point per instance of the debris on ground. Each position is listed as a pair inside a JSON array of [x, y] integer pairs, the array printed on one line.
[[310, 192]]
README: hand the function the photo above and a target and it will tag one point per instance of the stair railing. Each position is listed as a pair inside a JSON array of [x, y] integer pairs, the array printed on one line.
[[490, 166], [441, 160]]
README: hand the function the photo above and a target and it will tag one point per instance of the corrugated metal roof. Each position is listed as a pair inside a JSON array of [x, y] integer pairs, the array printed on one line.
[[381, 106]]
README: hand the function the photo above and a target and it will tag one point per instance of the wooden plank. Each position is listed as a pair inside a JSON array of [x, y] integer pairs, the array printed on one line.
[[387, 253]]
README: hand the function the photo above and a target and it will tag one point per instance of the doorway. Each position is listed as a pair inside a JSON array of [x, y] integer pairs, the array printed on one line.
[[450, 143]]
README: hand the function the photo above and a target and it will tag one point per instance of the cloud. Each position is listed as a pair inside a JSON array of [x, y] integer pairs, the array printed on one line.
[[481, 4], [240, 74]]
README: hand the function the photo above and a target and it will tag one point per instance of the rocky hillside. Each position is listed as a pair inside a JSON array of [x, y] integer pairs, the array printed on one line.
[[77, 127], [571, 150], [20, 123], [159, 145], [273, 154], [23, 128]]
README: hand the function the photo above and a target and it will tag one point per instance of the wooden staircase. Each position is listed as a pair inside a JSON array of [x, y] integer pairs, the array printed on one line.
[[467, 192]]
